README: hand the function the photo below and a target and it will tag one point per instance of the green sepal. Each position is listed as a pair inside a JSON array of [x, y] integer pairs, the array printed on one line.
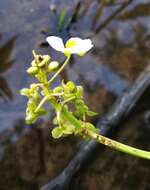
[[25, 92], [79, 93], [91, 113]]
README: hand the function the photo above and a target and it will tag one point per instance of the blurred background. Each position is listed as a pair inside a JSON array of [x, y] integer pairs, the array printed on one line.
[[120, 31]]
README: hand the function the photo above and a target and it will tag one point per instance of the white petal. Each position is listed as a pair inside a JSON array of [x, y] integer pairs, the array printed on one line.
[[82, 45], [55, 42]]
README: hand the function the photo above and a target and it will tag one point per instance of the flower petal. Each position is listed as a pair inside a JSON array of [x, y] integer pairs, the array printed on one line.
[[56, 43], [81, 47]]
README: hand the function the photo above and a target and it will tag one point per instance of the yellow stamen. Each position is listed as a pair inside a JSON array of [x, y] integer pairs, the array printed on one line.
[[70, 43]]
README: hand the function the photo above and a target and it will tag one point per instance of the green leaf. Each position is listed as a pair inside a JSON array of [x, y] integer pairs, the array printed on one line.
[[61, 20], [57, 132]]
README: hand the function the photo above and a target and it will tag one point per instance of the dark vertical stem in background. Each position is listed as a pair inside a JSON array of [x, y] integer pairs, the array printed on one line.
[[99, 12], [112, 16]]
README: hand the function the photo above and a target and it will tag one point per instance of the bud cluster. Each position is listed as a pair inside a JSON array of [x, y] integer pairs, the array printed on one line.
[[65, 96]]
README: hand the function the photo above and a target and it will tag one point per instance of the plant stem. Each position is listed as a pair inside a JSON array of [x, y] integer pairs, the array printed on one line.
[[119, 146], [43, 101], [106, 141], [59, 70], [70, 118]]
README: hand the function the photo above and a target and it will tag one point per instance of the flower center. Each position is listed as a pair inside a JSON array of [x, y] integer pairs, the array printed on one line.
[[70, 43]]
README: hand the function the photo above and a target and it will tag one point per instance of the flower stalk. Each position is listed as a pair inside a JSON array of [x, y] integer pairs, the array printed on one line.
[[60, 69], [106, 141]]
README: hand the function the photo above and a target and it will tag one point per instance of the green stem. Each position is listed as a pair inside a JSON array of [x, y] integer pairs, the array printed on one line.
[[106, 141], [119, 146], [68, 100], [59, 70], [70, 118], [43, 101]]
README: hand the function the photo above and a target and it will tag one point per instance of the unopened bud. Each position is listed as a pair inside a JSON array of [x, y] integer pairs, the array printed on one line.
[[52, 66], [58, 89], [46, 58], [71, 86], [33, 63], [32, 70]]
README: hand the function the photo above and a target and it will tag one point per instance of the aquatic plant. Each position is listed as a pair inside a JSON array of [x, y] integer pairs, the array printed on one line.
[[67, 99]]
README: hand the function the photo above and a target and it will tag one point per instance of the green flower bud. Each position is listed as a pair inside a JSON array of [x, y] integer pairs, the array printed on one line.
[[52, 66], [33, 63], [58, 89], [47, 59], [32, 70], [57, 132], [25, 92], [71, 86]]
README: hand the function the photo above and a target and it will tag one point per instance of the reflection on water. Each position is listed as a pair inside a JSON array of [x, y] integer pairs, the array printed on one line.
[[6, 64], [140, 10], [28, 155], [5, 51]]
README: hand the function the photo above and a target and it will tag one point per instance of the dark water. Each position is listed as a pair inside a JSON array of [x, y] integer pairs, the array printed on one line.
[[28, 155]]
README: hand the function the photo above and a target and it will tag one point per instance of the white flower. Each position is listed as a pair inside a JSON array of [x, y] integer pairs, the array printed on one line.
[[74, 45]]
